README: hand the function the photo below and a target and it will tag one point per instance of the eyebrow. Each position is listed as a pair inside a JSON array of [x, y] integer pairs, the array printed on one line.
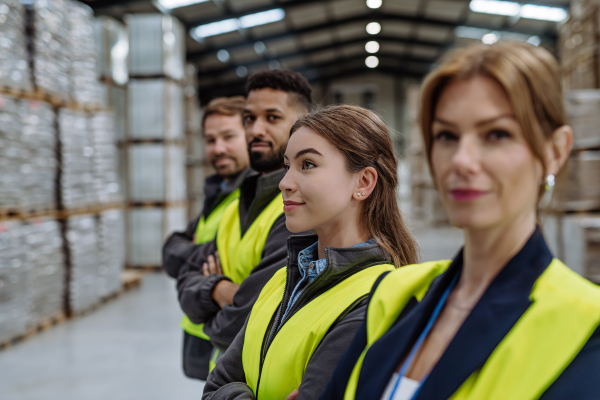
[[481, 123], [269, 110], [305, 151]]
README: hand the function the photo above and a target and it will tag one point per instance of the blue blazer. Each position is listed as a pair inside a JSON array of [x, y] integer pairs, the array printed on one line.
[[500, 307]]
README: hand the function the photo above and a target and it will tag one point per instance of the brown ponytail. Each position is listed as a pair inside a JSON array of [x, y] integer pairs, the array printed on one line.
[[364, 140]]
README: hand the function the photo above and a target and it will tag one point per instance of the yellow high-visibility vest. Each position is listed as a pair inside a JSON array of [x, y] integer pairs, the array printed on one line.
[[564, 312], [286, 359], [206, 230]]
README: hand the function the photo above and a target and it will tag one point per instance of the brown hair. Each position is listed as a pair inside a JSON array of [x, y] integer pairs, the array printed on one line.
[[224, 106], [529, 75], [364, 140], [291, 82]]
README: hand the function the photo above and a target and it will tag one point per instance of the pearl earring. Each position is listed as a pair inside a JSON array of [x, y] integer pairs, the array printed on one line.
[[550, 181]]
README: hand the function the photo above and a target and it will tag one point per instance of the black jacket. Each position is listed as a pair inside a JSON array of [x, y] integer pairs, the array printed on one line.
[[228, 380], [195, 289], [501, 306], [180, 245]]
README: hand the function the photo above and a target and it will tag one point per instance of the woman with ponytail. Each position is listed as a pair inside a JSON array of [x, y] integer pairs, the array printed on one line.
[[340, 183]]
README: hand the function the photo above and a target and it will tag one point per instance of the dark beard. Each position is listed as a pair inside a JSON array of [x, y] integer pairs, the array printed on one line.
[[261, 162]]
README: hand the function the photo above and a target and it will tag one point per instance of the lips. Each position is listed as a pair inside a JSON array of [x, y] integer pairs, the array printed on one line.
[[257, 144], [289, 205], [466, 194]]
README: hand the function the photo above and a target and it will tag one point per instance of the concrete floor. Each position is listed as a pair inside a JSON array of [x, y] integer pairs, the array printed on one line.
[[130, 348]]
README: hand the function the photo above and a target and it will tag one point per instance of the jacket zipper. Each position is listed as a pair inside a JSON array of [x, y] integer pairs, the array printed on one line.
[[266, 343]]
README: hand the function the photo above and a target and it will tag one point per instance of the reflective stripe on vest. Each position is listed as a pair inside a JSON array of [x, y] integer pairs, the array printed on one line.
[[565, 310], [297, 340], [239, 254], [206, 230]]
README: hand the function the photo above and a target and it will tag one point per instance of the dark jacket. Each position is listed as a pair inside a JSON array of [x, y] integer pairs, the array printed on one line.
[[180, 245], [228, 381], [500, 307], [195, 289]]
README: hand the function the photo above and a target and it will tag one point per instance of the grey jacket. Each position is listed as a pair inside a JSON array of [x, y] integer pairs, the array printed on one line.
[[195, 289], [228, 380]]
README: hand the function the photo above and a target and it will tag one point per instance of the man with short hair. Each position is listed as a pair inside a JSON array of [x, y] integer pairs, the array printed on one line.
[[221, 281], [226, 148]]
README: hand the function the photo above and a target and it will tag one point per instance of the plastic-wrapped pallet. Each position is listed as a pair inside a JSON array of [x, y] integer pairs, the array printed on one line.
[[14, 63], [580, 191], [111, 246], [77, 169], [112, 44], [156, 45], [155, 108], [85, 87], [82, 239], [156, 173], [148, 228], [12, 153], [15, 298], [51, 58], [582, 108], [106, 176], [38, 170], [45, 262]]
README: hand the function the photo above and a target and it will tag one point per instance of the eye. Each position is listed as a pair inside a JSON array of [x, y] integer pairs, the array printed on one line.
[[446, 136], [272, 118], [248, 118], [498, 134], [229, 137], [307, 164], [286, 167]]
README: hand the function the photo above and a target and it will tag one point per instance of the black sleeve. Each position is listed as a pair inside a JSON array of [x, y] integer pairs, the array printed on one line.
[[178, 248], [336, 387], [223, 326], [227, 380], [325, 358], [195, 289], [580, 379]]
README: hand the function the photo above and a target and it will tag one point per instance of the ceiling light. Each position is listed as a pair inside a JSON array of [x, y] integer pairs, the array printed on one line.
[[372, 47], [171, 4], [372, 61], [544, 13], [233, 24], [373, 28], [374, 3], [478, 34], [513, 9], [490, 38], [274, 64], [241, 71], [223, 55], [259, 48]]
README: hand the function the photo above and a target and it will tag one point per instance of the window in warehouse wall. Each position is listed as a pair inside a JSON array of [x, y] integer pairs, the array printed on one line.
[[369, 100]]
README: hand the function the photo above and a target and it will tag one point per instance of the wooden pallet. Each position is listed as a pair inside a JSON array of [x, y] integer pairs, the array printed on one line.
[[145, 268], [131, 279], [94, 209], [35, 329], [53, 99], [21, 214]]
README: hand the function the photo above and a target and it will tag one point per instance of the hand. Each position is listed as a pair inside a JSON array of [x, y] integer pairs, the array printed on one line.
[[223, 292], [213, 266], [292, 395]]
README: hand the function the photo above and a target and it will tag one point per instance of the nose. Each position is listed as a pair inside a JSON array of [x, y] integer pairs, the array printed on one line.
[[220, 147], [287, 184], [257, 129], [467, 159]]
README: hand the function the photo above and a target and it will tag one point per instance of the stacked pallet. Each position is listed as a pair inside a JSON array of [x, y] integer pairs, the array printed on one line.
[[573, 224], [425, 199], [14, 63], [155, 153]]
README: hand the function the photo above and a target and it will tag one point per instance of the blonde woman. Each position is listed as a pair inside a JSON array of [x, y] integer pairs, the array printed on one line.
[[504, 319]]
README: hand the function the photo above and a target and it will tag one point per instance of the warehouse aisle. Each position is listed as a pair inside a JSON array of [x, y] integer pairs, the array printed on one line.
[[128, 349]]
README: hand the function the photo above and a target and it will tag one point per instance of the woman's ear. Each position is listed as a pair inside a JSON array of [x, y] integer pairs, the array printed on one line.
[[367, 179], [559, 149]]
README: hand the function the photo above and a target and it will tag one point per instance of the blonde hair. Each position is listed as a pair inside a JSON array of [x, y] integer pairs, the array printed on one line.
[[364, 140], [529, 75], [224, 106]]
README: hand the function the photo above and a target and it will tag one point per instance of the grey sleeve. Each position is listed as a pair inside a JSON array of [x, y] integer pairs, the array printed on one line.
[[227, 380], [178, 248], [195, 289], [324, 360], [224, 325]]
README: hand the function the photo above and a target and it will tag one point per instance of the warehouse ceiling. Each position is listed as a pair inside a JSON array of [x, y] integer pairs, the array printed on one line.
[[325, 40]]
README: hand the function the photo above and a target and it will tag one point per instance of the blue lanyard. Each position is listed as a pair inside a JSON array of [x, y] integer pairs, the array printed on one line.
[[420, 340]]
